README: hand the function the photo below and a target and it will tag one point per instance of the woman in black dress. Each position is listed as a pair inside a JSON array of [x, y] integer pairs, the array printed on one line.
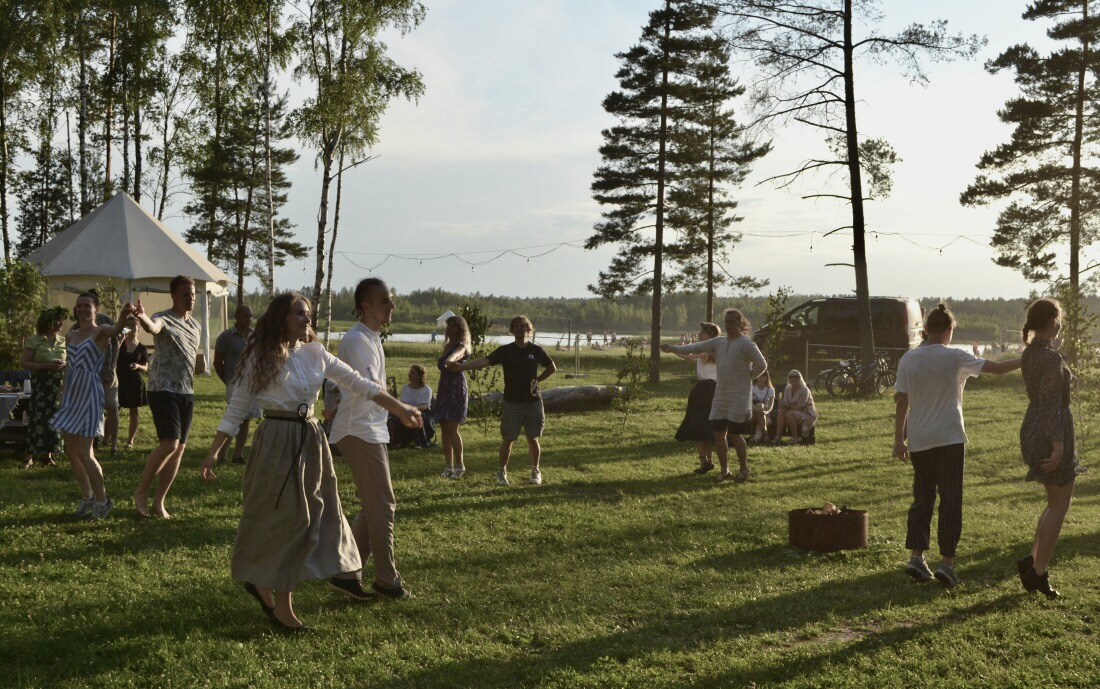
[[1046, 437], [133, 362], [696, 426]]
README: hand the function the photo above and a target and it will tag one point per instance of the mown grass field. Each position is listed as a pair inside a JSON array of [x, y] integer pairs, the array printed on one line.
[[623, 570]]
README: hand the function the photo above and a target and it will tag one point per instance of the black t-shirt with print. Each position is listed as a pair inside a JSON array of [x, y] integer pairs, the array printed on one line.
[[521, 370]]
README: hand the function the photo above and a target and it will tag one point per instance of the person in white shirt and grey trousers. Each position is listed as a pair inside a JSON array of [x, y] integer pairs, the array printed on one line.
[[359, 430], [928, 432]]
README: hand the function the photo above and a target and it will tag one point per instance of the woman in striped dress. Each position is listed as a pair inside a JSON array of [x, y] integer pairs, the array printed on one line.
[[80, 418]]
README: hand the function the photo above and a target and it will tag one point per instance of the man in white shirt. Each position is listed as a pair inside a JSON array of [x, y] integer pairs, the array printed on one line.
[[359, 431]]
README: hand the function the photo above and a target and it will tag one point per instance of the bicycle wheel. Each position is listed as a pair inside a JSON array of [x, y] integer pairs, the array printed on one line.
[[885, 381], [833, 384]]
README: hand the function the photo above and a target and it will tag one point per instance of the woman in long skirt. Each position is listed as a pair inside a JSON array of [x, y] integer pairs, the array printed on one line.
[[696, 427], [292, 526]]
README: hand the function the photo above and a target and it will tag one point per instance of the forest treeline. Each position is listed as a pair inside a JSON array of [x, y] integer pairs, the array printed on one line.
[[979, 319]]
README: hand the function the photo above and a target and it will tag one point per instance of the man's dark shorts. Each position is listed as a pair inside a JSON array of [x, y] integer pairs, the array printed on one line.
[[171, 414]]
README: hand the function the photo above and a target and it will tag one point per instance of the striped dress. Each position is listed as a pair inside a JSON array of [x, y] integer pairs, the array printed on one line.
[[81, 411]]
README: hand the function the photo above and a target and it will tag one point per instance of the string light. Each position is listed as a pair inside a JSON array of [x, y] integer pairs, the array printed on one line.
[[472, 258]]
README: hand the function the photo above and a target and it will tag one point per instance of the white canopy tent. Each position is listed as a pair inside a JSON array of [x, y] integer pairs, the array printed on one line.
[[442, 320], [123, 244]]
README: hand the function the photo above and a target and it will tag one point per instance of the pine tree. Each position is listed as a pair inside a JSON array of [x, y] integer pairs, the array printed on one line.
[[712, 155], [655, 157], [1044, 168]]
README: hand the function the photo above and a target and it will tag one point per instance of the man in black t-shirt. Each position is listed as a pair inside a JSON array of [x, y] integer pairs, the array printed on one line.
[[522, 402]]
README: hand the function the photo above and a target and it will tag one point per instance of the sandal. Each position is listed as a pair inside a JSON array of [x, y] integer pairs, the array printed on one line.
[[742, 476], [723, 476]]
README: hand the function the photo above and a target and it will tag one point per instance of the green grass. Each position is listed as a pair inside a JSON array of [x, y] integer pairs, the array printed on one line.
[[623, 570]]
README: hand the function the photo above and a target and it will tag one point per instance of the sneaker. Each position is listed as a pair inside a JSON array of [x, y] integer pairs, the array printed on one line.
[[918, 569], [458, 472], [945, 574], [399, 593], [102, 509], [502, 477], [448, 472], [536, 477], [84, 507], [352, 587]]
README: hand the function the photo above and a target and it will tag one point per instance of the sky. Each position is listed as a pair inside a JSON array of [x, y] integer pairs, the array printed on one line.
[[484, 184]]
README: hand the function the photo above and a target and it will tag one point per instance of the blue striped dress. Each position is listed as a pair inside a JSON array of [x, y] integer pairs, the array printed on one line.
[[81, 411]]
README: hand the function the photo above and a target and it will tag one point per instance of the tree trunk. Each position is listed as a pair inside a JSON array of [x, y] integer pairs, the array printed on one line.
[[107, 186], [5, 166], [859, 249], [322, 214], [332, 247], [659, 224], [267, 147], [1076, 174], [82, 131], [710, 224]]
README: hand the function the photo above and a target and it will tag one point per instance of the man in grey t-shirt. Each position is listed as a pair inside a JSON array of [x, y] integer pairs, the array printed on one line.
[[171, 391]]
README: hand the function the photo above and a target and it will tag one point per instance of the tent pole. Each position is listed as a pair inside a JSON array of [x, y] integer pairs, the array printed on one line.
[[206, 327]]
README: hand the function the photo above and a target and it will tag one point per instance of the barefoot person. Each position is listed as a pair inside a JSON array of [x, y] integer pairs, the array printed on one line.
[[523, 407], [80, 417], [929, 408], [292, 526], [1046, 437], [170, 390], [739, 361]]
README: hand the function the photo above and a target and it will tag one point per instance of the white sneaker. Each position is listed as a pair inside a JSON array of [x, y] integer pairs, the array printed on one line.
[[102, 509], [84, 507], [448, 472], [502, 477], [536, 477], [458, 472]]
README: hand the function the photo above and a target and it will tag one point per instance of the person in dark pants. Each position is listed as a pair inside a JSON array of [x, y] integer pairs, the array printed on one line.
[[929, 388]]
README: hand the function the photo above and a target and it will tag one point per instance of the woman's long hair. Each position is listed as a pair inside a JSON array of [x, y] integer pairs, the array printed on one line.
[[744, 327], [767, 377], [463, 335], [267, 347]]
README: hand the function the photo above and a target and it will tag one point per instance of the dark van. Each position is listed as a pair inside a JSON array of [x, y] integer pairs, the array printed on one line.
[[832, 322]]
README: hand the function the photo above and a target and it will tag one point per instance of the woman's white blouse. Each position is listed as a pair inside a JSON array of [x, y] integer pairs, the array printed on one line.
[[705, 370], [306, 368]]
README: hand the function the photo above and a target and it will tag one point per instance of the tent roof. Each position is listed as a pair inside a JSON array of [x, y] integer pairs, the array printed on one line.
[[446, 314], [120, 239]]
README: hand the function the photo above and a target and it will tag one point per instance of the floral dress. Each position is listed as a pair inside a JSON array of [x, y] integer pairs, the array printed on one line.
[[453, 395], [1048, 415]]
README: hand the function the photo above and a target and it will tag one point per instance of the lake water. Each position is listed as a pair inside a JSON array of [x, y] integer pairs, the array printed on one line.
[[546, 339]]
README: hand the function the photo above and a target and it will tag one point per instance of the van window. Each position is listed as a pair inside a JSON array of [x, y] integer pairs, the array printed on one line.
[[803, 316], [840, 317]]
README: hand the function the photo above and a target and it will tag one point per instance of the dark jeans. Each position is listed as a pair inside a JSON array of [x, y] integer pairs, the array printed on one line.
[[939, 469], [400, 435]]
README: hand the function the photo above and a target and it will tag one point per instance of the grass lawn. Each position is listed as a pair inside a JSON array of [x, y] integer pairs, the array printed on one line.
[[623, 570]]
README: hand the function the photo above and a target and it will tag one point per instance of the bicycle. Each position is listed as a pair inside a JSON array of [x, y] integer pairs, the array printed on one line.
[[852, 378]]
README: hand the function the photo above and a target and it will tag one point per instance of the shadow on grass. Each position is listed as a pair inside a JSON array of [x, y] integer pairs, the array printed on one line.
[[639, 639]]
